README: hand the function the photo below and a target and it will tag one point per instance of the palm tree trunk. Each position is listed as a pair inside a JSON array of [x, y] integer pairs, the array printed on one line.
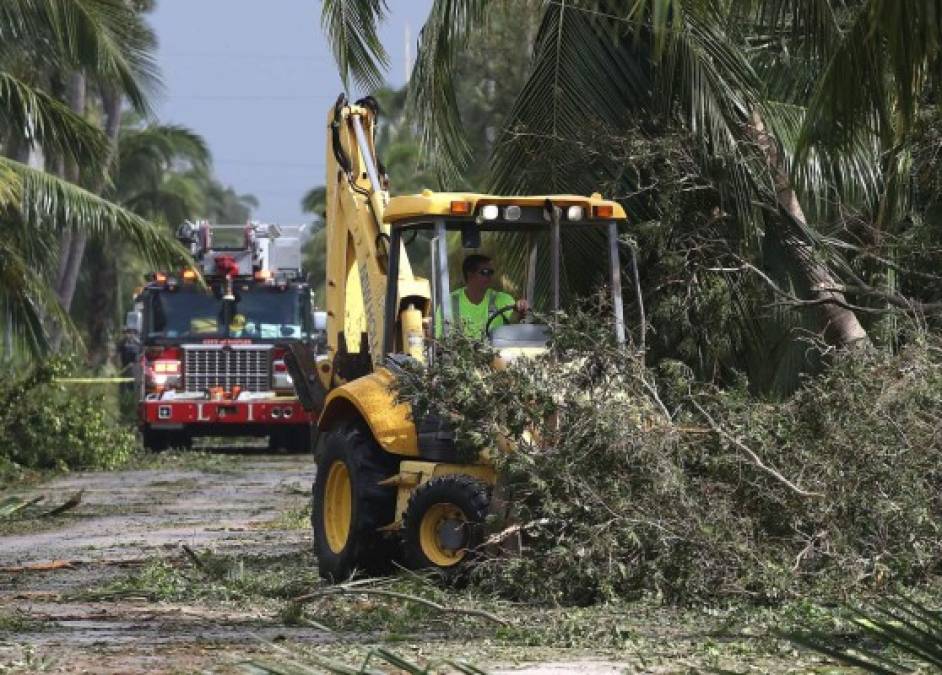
[[72, 245], [66, 289], [839, 325], [102, 301], [102, 296]]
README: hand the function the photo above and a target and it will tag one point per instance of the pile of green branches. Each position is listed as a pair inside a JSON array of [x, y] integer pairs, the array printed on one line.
[[629, 480], [43, 425]]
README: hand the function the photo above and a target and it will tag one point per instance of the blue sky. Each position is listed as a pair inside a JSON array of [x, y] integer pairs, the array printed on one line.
[[256, 79]]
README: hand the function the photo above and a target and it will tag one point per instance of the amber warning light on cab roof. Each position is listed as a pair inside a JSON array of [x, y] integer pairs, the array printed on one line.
[[461, 207], [603, 211]]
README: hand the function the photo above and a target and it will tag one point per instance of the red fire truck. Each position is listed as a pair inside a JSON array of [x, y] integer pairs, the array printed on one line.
[[209, 360]]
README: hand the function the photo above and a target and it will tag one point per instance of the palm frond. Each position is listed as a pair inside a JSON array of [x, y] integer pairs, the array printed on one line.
[[106, 38], [432, 101], [351, 27], [145, 156], [45, 203], [826, 178], [808, 27], [910, 629], [167, 141], [561, 103], [890, 51], [26, 301], [42, 119]]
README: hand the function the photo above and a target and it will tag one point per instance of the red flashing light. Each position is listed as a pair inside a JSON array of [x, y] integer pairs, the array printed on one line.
[[170, 353], [226, 265], [278, 360]]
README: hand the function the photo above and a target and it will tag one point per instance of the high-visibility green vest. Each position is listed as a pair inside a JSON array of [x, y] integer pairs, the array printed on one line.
[[473, 317]]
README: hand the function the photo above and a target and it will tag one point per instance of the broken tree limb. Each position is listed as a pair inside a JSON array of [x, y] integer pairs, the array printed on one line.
[[13, 505], [755, 459], [193, 558], [67, 505], [341, 590], [41, 566]]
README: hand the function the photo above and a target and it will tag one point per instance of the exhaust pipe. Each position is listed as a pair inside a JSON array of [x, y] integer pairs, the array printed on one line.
[[288, 412], [276, 412]]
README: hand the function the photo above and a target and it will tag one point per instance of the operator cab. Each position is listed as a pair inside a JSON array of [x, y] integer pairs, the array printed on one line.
[[439, 230]]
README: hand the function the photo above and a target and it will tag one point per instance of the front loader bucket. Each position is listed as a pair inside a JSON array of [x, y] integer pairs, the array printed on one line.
[[307, 385]]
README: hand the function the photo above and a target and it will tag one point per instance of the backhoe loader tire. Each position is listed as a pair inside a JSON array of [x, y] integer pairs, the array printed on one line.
[[349, 505], [443, 526]]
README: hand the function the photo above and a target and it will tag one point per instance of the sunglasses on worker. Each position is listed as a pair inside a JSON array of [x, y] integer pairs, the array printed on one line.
[[486, 272]]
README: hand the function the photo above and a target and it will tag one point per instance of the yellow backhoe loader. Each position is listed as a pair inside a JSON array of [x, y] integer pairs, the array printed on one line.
[[388, 484]]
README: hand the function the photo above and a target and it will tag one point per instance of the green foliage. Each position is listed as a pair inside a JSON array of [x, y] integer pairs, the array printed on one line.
[[45, 426], [352, 28], [899, 635], [641, 482]]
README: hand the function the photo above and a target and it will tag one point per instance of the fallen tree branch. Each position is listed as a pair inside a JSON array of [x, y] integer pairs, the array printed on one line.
[[194, 558], [503, 535], [13, 505], [67, 505], [342, 590], [756, 460]]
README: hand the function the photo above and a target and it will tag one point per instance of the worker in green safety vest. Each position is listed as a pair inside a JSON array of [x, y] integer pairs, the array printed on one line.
[[472, 305]]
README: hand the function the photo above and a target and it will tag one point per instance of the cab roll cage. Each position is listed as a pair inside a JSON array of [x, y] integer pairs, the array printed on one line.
[[440, 282]]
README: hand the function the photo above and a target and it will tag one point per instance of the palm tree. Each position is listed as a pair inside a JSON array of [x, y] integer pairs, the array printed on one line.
[[94, 36], [147, 178], [751, 81]]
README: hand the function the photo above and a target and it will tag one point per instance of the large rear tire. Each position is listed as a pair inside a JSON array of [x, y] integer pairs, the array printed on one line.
[[349, 505], [443, 526]]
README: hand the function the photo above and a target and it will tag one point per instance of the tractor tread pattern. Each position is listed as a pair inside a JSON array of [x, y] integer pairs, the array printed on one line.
[[368, 464]]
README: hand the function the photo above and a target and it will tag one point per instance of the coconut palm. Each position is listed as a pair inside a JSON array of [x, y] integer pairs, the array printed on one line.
[[147, 160], [96, 37], [749, 81], [147, 178], [34, 206]]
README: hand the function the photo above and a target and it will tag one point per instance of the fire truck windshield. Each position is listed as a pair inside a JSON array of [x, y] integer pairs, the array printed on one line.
[[258, 312], [186, 314], [267, 313]]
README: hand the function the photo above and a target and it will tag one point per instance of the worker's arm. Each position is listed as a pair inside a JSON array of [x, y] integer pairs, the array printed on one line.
[[521, 307]]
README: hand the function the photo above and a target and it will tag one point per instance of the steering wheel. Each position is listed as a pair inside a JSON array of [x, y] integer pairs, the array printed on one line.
[[500, 311]]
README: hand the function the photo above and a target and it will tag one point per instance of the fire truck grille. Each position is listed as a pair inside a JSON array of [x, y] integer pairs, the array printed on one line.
[[247, 367]]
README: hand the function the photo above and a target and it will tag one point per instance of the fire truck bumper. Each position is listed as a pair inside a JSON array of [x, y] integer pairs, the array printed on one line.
[[177, 414]]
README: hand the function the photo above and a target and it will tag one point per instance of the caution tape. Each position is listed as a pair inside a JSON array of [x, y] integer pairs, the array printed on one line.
[[92, 380]]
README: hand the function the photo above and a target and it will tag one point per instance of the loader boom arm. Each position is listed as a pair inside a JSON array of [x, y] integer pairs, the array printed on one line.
[[357, 246]]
